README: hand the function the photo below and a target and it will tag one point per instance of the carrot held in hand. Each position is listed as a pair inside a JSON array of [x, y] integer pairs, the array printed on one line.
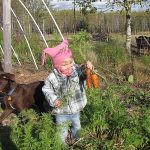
[[95, 80], [88, 78]]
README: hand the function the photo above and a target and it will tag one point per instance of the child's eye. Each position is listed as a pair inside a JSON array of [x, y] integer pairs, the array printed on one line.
[[70, 62]]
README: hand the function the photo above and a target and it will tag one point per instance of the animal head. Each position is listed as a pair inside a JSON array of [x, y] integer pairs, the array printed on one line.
[[5, 79]]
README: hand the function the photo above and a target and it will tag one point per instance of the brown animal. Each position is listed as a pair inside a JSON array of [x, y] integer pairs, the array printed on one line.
[[20, 96]]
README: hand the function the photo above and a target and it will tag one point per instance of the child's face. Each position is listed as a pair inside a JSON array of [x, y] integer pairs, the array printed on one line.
[[66, 66]]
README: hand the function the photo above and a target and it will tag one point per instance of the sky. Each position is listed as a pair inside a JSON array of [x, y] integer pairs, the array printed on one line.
[[101, 6]]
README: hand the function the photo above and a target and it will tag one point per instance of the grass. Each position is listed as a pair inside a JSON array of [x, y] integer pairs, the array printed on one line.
[[112, 118]]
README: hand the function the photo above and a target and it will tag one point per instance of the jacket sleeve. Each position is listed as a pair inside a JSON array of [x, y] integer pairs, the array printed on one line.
[[49, 92]]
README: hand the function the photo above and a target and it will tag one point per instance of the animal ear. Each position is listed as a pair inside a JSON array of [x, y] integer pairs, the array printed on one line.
[[9, 76]]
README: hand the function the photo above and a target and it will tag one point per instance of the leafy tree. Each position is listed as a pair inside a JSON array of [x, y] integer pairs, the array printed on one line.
[[86, 8]]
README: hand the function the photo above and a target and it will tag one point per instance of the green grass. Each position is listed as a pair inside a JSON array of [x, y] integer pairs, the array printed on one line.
[[114, 118], [146, 60]]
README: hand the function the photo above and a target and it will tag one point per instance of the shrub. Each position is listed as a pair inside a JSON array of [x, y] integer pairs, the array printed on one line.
[[31, 131], [81, 46]]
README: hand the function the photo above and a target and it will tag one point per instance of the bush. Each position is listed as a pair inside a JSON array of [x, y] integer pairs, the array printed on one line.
[[80, 44], [110, 121], [31, 131]]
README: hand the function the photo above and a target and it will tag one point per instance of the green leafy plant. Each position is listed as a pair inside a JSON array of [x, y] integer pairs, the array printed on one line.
[[31, 131], [81, 46]]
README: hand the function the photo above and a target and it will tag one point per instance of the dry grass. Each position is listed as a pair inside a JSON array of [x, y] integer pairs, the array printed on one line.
[[91, 55], [142, 72]]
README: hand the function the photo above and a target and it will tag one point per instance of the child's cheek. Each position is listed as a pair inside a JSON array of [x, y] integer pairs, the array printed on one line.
[[62, 68]]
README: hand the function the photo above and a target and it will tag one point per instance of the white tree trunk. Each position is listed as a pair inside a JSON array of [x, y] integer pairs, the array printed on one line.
[[7, 35], [128, 30]]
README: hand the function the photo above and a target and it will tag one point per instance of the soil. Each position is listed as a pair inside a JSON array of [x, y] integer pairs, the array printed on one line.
[[28, 73]]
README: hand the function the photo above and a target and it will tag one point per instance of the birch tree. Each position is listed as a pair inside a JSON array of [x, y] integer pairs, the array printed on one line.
[[127, 6]]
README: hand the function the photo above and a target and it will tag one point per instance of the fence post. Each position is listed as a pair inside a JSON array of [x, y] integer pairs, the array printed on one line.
[[7, 65]]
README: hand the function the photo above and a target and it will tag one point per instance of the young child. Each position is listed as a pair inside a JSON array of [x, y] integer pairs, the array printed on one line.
[[64, 88]]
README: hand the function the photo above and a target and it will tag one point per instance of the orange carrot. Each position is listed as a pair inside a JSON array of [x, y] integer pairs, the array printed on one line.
[[95, 80], [88, 78], [88, 72]]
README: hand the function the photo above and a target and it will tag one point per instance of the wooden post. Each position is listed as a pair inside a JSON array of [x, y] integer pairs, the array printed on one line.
[[7, 35]]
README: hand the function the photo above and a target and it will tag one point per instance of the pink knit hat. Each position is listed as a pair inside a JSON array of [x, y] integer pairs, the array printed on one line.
[[58, 53]]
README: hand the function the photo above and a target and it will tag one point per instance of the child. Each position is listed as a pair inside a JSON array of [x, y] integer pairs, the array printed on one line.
[[64, 88]]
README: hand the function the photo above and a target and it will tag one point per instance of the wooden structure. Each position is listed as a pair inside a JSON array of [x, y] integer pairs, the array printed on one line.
[[143, 44]]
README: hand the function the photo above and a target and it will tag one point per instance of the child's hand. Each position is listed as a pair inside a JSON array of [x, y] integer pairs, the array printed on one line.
[[58, 103], [89, 65]]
